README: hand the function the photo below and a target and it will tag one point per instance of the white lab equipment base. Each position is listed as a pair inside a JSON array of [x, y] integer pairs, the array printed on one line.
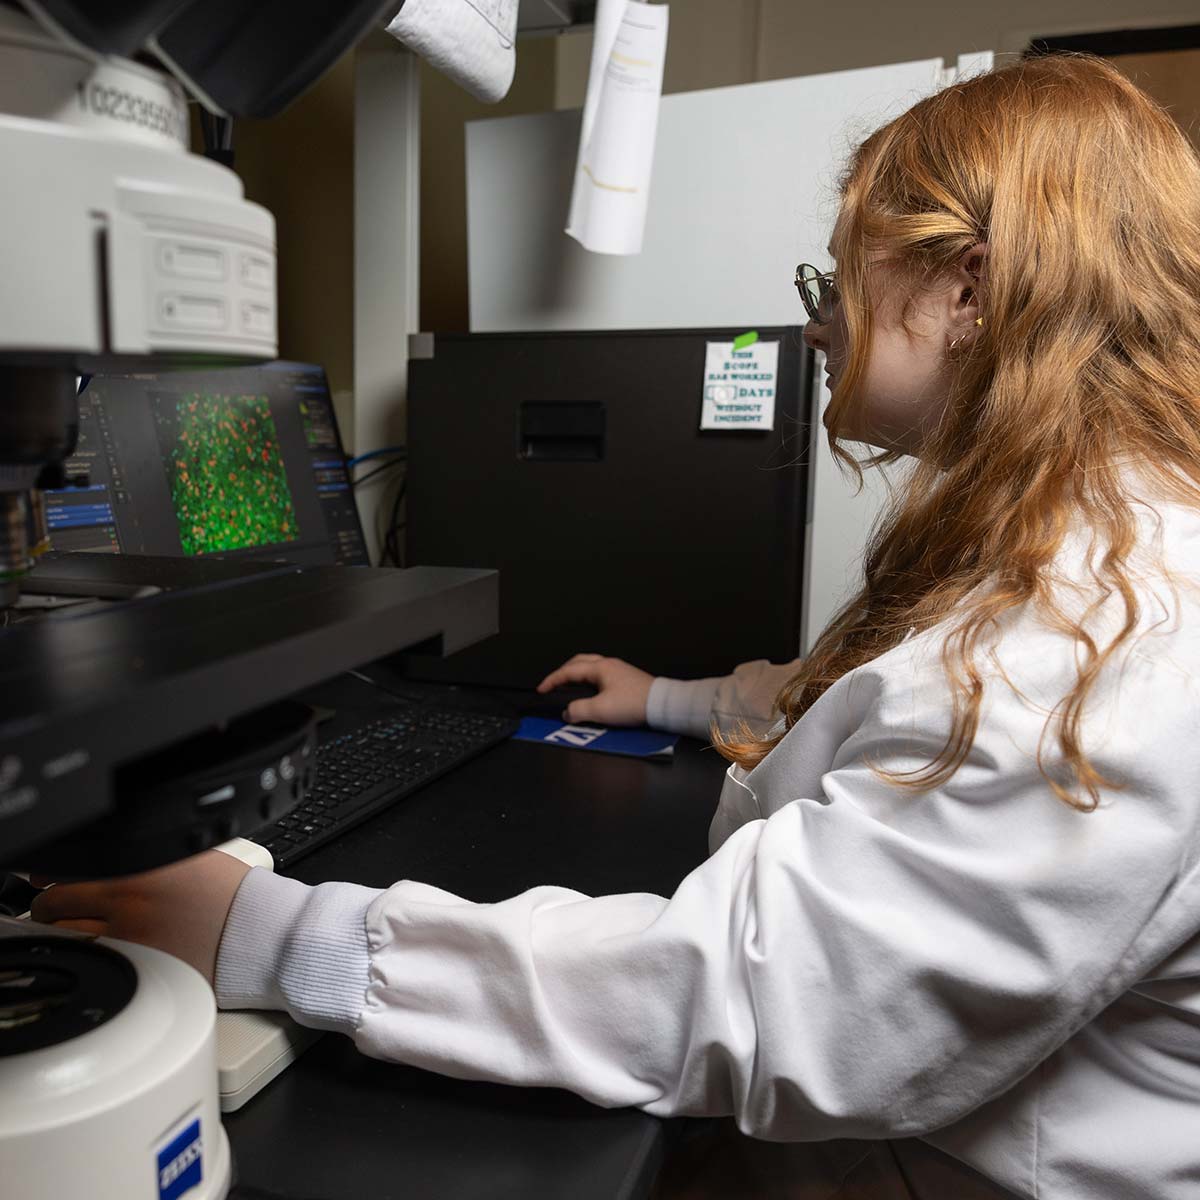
[[252, 1048]]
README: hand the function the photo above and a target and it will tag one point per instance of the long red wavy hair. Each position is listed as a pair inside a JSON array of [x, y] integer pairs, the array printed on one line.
[[1087, 196]]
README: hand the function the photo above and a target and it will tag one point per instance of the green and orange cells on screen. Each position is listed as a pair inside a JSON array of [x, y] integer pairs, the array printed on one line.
[[227, 479]]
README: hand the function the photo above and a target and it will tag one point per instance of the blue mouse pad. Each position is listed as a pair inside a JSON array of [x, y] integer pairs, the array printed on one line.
[[640, 743]]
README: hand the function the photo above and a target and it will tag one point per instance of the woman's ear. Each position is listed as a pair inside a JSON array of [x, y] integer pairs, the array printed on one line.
[[966, 317], [971, 264]]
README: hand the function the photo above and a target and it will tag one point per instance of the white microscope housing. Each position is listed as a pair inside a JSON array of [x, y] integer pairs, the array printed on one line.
[[119, 244], [121, 1101]]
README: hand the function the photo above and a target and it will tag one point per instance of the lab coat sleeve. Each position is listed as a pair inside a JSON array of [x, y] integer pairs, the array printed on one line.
[[302, 949], [863, 962], [690, 706]]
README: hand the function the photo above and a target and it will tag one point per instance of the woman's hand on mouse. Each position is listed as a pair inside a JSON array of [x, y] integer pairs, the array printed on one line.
[[180, 908], [622, 689]]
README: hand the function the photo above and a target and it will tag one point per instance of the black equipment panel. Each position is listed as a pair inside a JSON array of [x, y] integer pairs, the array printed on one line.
[[574, 463]]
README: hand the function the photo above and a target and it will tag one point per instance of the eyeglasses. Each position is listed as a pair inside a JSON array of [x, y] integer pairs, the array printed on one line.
[[818, 292]]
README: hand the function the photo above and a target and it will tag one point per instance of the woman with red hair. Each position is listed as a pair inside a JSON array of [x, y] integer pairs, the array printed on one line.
[[947, 943]]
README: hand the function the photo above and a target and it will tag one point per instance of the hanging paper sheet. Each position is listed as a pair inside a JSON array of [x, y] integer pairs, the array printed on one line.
[[620, 117]]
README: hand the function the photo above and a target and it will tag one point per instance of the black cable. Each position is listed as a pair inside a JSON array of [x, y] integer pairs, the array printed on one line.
[[377, 471], [391, 545], [207, 130], [394, 530], [217, 133], [387, 550]]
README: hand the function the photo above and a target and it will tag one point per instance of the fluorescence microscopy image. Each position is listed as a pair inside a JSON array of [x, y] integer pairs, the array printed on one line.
[[226, 475]]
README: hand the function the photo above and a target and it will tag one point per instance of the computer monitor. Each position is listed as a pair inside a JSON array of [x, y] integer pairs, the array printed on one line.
[[243, 462]]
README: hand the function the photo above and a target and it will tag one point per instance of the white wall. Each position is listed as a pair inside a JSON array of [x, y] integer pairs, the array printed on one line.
[[386, 253], [741, 192]]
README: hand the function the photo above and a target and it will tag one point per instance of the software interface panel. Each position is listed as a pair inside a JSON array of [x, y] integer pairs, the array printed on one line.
[[232, 462]]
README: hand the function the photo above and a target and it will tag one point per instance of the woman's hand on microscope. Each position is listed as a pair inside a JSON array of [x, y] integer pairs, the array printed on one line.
[[621, 695], [180, 908]]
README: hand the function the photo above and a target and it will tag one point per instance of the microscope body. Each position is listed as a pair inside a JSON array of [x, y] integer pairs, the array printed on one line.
[[121, 247]]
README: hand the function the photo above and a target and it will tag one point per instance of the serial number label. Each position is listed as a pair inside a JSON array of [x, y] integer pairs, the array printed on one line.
[[118, 104]]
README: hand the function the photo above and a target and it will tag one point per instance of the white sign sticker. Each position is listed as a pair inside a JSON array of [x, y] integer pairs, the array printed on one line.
[[739, 385]]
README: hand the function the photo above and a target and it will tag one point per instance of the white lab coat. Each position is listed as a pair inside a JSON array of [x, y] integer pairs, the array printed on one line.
[[980, 965]]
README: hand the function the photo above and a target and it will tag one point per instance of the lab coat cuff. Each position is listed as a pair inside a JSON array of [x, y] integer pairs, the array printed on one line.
[[682, 705], [301, 949]]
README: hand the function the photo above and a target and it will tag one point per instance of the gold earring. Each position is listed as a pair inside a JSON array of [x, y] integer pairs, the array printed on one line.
[[955, 344]]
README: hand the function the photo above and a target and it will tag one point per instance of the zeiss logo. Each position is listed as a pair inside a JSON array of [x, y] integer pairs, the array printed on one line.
[[575, 735], [180, 1163]]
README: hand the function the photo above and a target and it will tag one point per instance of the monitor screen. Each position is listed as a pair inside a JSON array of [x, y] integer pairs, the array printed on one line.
[[235, 462]]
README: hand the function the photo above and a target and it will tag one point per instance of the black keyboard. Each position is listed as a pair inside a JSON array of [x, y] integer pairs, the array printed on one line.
[[371, 767]]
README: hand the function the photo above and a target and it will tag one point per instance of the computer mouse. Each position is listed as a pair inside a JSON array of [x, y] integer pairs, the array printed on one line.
[[553, 704]]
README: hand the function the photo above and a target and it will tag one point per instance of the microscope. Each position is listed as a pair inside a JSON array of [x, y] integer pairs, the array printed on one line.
[[154, 720]]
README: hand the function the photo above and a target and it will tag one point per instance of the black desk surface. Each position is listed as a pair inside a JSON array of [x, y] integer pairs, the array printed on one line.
[[339, 1126]]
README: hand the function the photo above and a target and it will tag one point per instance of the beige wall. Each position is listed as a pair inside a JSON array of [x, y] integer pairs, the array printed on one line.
[[1173, 78], [716, 42], [445, 110], [300, 165]]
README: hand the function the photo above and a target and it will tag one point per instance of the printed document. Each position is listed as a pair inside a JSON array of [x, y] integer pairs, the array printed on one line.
[[620, 117]]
